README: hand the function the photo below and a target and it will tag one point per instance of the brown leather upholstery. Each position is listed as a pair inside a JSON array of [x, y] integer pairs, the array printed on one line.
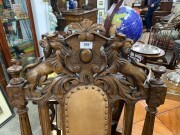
[[86, 104]]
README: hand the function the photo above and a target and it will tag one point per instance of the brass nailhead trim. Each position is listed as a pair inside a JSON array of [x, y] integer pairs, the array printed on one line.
[[68, 96], [67, 125], [67, 130]]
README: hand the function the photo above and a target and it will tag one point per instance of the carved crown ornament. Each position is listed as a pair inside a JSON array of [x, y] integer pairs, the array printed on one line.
[[84, 56]]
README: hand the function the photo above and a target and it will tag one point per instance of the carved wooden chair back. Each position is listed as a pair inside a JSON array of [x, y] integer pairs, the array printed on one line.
[[94, 82]]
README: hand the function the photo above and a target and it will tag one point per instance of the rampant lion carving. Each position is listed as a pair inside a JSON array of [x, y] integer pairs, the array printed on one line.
[[54, 53], [64, 55], [118, 51]]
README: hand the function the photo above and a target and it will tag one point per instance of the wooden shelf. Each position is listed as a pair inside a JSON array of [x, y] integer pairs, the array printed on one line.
[[5, 20]]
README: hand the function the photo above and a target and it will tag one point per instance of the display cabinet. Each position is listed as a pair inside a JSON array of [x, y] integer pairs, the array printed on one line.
[[17, 28], [4, 78]]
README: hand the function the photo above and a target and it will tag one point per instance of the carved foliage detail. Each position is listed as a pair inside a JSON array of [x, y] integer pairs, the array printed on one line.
[[86, 29], [79, 66]]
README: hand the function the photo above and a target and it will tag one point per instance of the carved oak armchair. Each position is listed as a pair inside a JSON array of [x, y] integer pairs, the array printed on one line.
[[94, 81]]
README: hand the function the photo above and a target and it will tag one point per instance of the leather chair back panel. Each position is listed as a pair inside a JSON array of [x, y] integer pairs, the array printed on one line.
[[86, 111]]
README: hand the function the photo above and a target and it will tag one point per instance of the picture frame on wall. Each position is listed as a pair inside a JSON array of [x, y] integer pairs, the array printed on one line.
[[6, 112]]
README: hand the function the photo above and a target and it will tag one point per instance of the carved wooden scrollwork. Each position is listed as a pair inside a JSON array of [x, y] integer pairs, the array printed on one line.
[[76, 65]]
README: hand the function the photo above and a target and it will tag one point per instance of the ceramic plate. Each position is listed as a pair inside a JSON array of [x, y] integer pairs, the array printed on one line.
[[145, 49]]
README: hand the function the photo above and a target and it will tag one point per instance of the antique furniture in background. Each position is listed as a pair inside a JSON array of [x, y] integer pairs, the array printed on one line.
[[4, 78], [177, 49], [78, 15], [172, 77], [94, 81], [163, 10], [17, 31], [61, 4], [147, 51], [4, 45], [163, 36]]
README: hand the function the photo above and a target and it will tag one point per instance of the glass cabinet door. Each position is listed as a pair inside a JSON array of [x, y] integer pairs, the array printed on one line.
[[16, 24]]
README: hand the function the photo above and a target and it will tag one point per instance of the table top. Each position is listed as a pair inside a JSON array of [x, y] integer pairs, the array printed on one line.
[[78, 11], [147, 50]]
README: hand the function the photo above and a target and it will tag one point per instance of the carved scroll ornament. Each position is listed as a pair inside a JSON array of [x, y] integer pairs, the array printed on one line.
[[97, 65]]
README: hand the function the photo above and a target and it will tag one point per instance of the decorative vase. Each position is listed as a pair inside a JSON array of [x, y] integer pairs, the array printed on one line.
[[71, 4]]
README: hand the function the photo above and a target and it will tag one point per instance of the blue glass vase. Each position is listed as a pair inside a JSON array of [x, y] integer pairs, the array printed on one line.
[[71, 4]]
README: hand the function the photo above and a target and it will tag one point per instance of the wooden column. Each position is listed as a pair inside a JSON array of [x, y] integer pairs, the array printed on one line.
[[44, 117], [128, 118], [115, 118], [24, 121], [156, 97], [16, 95]]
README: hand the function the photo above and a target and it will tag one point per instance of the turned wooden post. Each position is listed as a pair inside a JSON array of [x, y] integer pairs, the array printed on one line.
[[156, 97], [128, 118], [44, 117], [17, 99]]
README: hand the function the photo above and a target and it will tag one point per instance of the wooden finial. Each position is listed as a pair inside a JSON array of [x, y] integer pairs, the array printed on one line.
[[158, 70], [15, 71]]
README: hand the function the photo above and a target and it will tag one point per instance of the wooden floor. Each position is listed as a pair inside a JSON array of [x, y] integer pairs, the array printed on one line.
[[167, 120]]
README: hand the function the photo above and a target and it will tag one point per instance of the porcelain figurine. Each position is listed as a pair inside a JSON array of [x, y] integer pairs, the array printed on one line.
[[52, 20]]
